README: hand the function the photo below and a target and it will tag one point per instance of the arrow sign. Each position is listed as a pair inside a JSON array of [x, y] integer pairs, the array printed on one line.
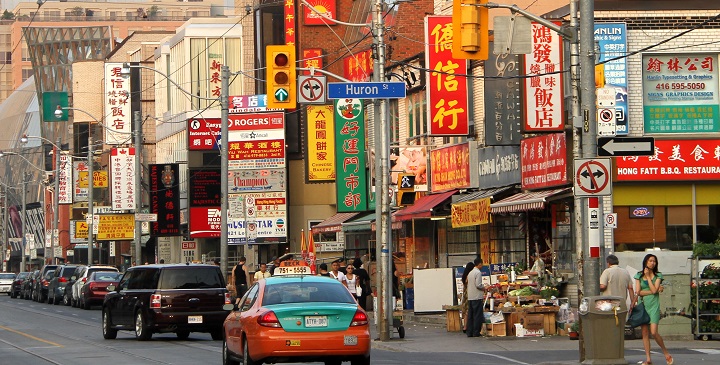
[[626, 146], [281, 94]]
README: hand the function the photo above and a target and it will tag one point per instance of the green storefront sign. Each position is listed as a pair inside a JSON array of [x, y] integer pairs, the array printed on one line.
[[351, 176]]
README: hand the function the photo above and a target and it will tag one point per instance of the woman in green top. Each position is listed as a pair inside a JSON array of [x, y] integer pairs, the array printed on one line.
[[648, 286]]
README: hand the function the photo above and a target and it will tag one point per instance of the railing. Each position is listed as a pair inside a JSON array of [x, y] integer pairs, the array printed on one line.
[[96, 18]]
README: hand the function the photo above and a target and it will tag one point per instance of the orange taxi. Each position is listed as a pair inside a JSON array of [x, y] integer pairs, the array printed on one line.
[[296, 317]]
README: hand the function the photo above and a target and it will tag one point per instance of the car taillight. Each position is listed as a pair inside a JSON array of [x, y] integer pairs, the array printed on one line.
[[227, 298], [62, 280], [269, 319], [155, 301], [84, 280], [44, 282], [360, 319]]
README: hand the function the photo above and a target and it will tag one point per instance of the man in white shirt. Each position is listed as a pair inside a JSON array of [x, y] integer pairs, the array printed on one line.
[[475, 300], [616, 281], [262, 273], [335, 273]]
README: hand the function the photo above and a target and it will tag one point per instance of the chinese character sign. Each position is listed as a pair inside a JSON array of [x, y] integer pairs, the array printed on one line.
[[543, 84], [358, 67], [503, 107], [450, 168], [324, 7], [351, 178], [80, 193], [290, 35], [674, 160], [543, 161], [118, 117], [447, 90], [312, 58], [65, 195], [321, 143], [612, 40], [165, 199], [122, 172], [214, 77], [680, 93]]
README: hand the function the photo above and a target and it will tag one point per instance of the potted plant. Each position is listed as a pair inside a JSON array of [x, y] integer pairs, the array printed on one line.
[[574, 331]]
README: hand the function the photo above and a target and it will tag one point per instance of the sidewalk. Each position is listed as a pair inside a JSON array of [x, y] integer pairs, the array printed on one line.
[[427, 333]]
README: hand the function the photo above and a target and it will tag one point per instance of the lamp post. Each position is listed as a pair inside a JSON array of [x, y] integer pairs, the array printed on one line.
[[91, 180], [55, 236]]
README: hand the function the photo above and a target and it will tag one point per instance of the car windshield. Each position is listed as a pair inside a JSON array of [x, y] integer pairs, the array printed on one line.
[[7, 276], [23, 275], [304, 292], [193, 278], [68, 272], [106, 276]]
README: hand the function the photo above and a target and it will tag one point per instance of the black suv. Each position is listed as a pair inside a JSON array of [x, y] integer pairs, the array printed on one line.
[[17, 284], [26, 292], [40, 291], [58, 283], [180, 298]]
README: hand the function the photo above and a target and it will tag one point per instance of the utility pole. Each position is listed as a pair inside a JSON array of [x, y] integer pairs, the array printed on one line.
[[224, 95], [137, 119], [91, 186], [55, 235], [22, 221], [5, 228]]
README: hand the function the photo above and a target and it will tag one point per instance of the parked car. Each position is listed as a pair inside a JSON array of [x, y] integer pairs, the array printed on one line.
[[6, 282], [67, 293], [82, 274], [28, 285], [40, 288], [180, 298], [17, 284], [95, 288], [297, 318], [57, 284]]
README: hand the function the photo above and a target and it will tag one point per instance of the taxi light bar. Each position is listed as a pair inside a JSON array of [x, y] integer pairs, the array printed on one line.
[[360, 319], [269, 319], [155, 301]]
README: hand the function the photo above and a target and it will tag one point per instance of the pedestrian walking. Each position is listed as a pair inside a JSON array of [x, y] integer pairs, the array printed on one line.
[[475, 290], [648, 286], [363, 280], [262, 273], [241, 278], [616, 281]]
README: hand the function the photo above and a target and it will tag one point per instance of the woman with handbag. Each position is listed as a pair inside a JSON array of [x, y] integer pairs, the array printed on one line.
[[648, 288]]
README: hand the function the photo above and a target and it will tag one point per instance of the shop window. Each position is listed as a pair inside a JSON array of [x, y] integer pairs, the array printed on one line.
[[27, 73], [682, 215], [457, 246], [562, 238], [417, 118], [507, 239]]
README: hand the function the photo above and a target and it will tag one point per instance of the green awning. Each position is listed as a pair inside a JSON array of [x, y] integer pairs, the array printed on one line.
[[361, 223]]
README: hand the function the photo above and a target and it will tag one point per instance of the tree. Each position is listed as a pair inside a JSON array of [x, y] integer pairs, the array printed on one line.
[[153, 11], [7, 15], [77, 11]]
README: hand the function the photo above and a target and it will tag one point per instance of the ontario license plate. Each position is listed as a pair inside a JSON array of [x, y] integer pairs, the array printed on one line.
[[316, 321], [195, 319], [350, 341]]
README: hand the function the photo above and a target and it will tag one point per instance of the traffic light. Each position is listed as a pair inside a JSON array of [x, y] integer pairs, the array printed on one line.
[[406, 190], [280, 76], [470, 30]]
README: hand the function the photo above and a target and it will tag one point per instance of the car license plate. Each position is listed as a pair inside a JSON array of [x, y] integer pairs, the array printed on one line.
[[350, 341], [194, 319], [316, 321]]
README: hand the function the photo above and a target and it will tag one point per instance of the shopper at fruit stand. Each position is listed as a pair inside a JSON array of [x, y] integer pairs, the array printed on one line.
[[475, 290], [648, 287], [464, 305], [616, 281]]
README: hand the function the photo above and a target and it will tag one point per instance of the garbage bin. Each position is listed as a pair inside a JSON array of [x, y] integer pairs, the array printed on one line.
[[603, 326]]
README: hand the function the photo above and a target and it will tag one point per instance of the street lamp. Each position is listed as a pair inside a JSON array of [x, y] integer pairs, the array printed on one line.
[[91, 182], [55, 236]]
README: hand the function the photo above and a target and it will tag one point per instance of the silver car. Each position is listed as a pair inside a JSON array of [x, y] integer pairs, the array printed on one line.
[[82, 274], [6, 280]]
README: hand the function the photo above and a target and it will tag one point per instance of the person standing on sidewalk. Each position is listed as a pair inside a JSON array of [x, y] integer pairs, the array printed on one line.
[[648, 286], [616, 281], [464, 305], [475, 290]]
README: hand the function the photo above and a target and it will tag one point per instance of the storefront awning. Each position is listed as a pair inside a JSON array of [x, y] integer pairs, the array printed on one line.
[[362, 223], [423, 207], [481, 194], [334, 223], [532, 200]]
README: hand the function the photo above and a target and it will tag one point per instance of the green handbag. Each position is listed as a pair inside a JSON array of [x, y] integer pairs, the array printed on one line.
[[638, 316]]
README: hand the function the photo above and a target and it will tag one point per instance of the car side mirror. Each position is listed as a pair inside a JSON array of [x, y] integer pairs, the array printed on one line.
[[111, 287]]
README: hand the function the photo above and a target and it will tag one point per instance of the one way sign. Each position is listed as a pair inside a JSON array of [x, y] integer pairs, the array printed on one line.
[[626, 146]]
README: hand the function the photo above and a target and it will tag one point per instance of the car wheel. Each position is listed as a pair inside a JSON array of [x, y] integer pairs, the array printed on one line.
[[246, 355], [142, 332], [73, 303], [109, 333], [227, 360], [66, 300], [81, 303], [217, 335], [360, 360], [182, 335]]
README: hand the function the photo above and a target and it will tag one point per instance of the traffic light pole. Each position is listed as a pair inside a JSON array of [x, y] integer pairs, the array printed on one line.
[[137, 119]]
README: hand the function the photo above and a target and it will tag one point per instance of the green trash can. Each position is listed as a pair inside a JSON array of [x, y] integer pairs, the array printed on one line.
[[603, 326]]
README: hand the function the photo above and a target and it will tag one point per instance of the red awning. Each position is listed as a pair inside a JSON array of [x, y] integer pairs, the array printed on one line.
[[531, 200], [334, 223], [423, 207]]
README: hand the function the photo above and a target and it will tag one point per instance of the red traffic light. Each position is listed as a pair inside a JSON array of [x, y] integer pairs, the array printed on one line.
[[281, 77], [281, 59]]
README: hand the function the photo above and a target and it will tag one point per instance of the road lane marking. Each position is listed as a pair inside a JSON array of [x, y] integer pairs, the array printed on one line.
[[31, 336], [500, 357]]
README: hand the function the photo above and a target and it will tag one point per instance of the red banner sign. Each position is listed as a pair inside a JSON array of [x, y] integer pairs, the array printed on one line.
[[450, 167], [290, 34], [312, 57], [447, 94], [358, 67], [327, 8], [543, 161], [255, 121], [691, 159], [205, 222], [543, 84]]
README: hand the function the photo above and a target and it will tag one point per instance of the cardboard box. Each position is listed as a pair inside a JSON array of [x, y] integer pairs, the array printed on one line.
[[520, 331], [534, 321], [495, 329]]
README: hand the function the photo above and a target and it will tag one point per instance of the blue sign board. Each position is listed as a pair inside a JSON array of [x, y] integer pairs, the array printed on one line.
[[612, 41], [366, 90]]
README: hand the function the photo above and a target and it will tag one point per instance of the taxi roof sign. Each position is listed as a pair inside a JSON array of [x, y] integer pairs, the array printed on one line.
[[293, 267]]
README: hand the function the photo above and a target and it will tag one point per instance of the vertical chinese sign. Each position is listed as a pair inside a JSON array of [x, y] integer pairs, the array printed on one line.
[[543, 84], [358, 67], [447, 94], [165, 199], [215, 79], [321, 143], [503, 108], [680, 93], [65, 180], [351, 178], [80, 193], [122, 172], [118, 122], [290, 22]]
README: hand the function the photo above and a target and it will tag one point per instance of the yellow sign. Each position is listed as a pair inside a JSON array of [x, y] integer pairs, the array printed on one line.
[[112, 227], [321, 143], [470, 213], [100, 179]]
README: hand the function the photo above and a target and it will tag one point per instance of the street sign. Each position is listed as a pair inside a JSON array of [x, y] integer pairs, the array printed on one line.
[[606, 122], [610, 220], [593, 177], [606, 97], [311, 89], [146, 217], [366, 90], [626, 146]]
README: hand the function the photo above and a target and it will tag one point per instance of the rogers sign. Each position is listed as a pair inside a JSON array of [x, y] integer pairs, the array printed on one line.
[[256, 121], [203, 133]]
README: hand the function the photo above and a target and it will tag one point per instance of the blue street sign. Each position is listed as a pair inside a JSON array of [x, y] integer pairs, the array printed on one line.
[[366, 90]]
